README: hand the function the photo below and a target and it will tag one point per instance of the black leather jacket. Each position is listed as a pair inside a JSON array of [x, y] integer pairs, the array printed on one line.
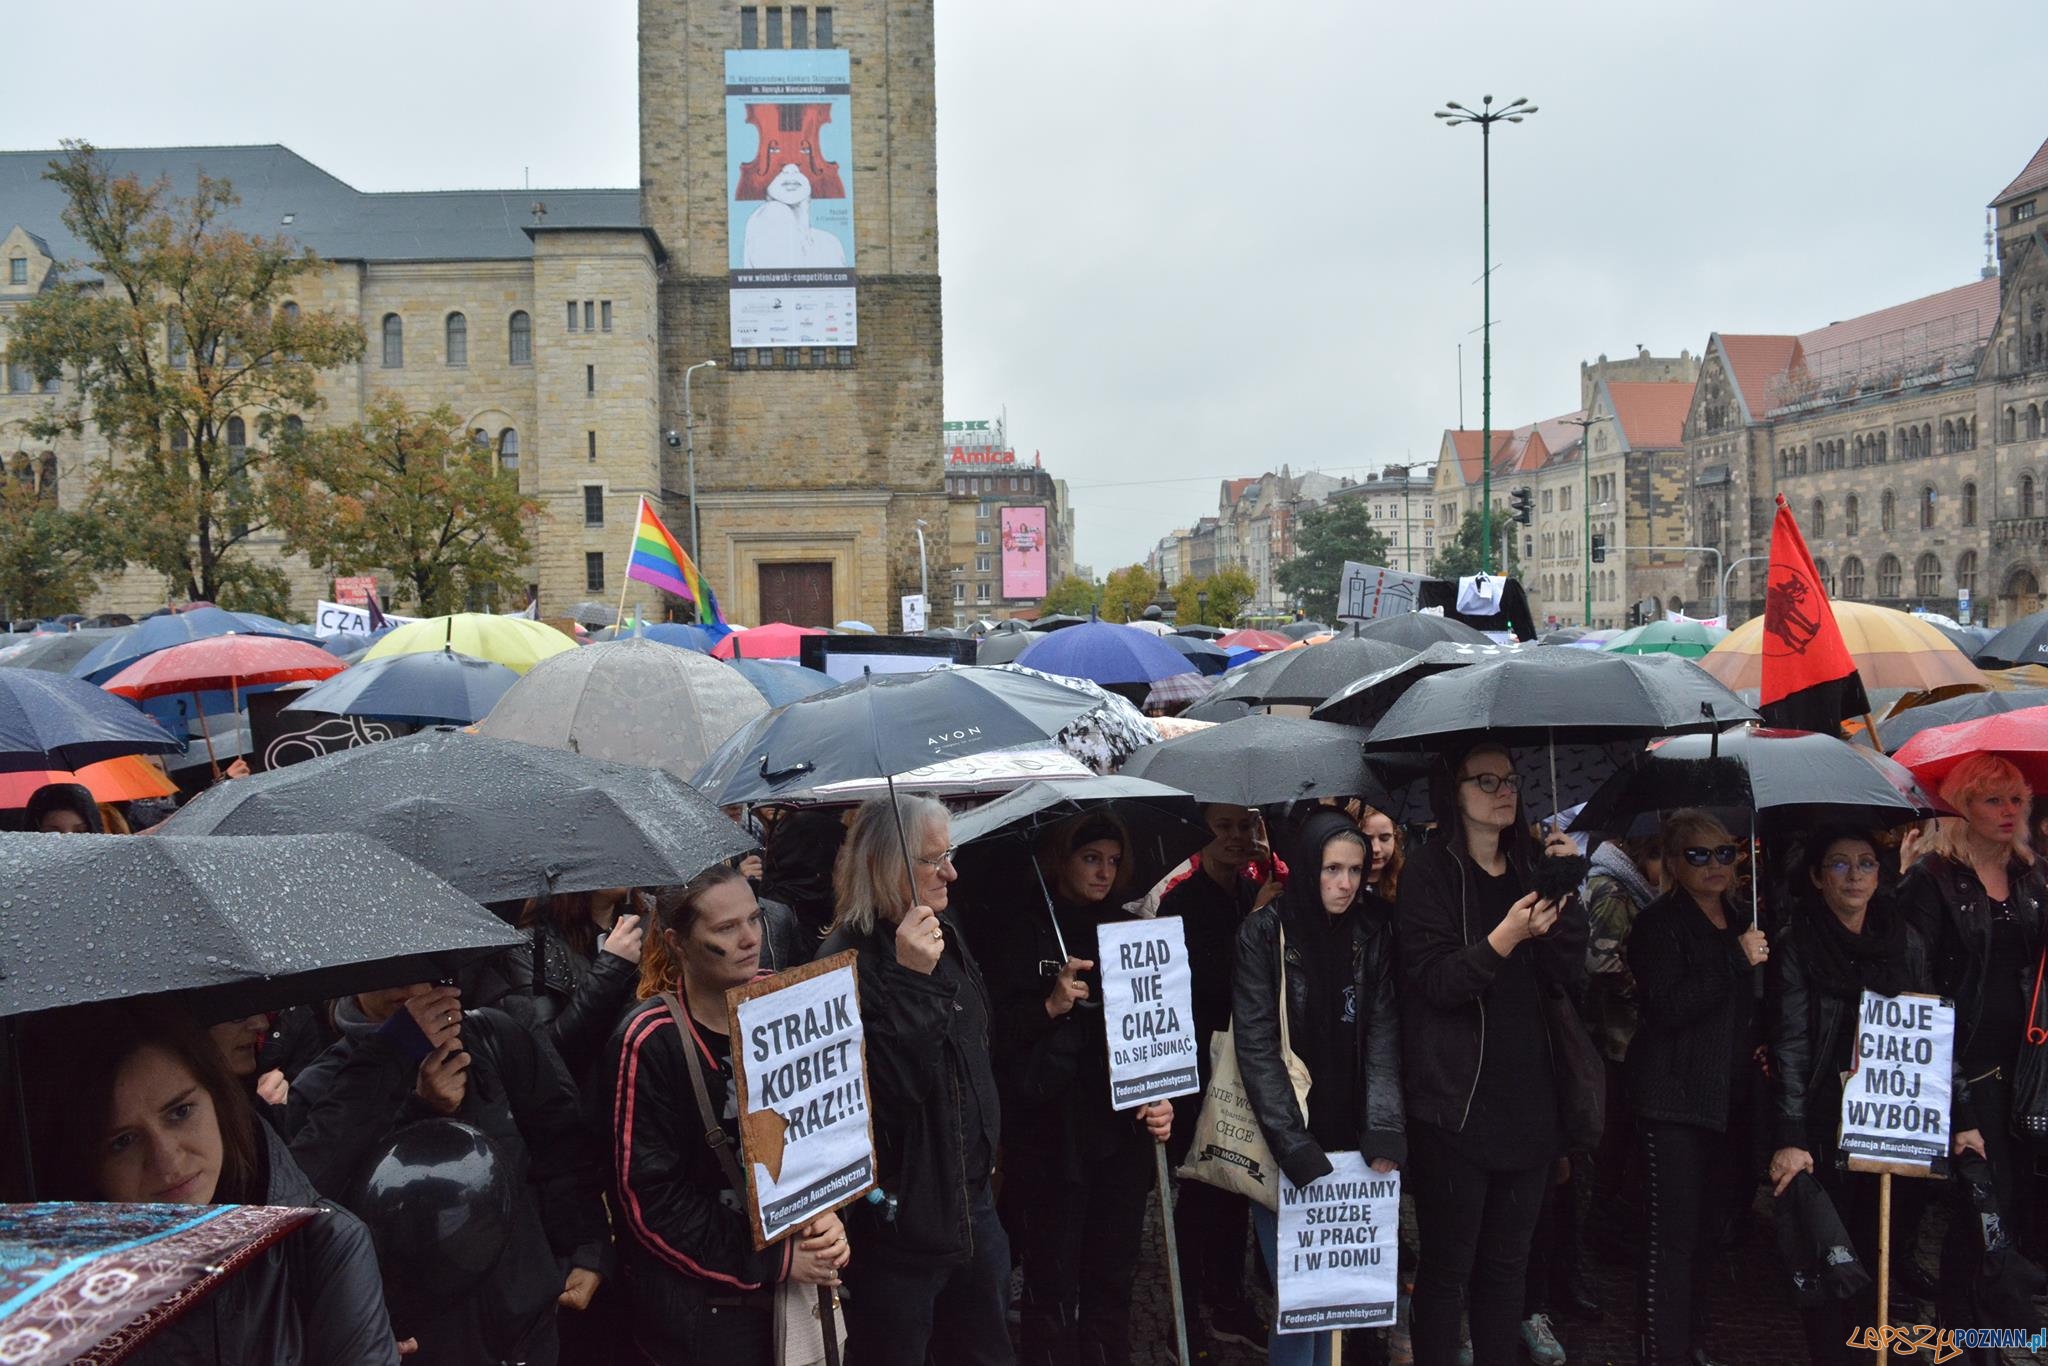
[[1698, 994], [1255, 1033]]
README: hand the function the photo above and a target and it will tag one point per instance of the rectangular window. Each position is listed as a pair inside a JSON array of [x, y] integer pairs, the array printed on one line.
[[981, 511], [17, 270], [981, 536], [593, 505], [959, 592], [775, 26], [2021, 212], [593, 446], [19, 380], [590, 379], [739, 357], [593, 571], [824, 26], [52, 385], [589, 316], [604, 315], [846, 355], [750, 26], [799, 27], [572, 315], [981, 564], [981, 592]]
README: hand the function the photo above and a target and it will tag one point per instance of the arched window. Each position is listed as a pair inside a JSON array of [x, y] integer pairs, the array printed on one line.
[[1704, 585], [1969, 433], [1817, 519], [1887, 512], [520, 330], [1927, 507], [458, 339], [1858, 455], [1852, 577], [1968, 514], [238, 433], [2026, 495], [1948, 437], [1883, 447], [508, 448], [1927, 575], [289, 311], [2033, 421], [1827, 582], [1889, 572], [2006, 425], [1852, 514], [394, 342], [1966, 572], [1927, 438]]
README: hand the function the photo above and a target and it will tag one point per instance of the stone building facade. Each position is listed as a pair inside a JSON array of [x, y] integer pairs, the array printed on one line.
[[560, 324]]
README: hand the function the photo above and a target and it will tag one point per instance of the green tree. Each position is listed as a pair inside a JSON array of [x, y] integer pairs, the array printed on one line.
[[1215, 601], [1127, 593], [409, 493], [1073, 595], [185, 342], [1326, 536], [50, 559], [1459, 556]]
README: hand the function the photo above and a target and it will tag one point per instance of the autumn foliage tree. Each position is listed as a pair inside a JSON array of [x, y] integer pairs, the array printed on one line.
[[1127, 593], [50, 559], [1072, 595], [186, 350], [412, 494], [1218, 600]]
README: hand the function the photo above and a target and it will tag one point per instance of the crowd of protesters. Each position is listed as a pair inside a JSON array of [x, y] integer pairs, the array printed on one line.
[[1424, 993]]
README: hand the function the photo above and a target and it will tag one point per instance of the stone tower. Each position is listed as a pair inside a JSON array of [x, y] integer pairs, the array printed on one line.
[[816, 435]]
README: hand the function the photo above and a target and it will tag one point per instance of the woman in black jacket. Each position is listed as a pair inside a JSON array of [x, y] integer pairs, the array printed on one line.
[[1082, 1171], [1337, 979], [1977, 898], [1480, 953], [933, 1272], [1697, 963], [1843, 939], [589, 949], [134, 1103]]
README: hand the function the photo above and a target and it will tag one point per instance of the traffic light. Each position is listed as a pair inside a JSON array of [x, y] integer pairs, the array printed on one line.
[[1522, 505], [1599, 548]]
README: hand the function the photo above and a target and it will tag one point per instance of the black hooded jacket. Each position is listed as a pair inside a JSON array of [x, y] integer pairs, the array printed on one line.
[[1341, 1017]]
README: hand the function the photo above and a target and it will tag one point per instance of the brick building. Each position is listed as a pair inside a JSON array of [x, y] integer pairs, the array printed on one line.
[[985, 478]]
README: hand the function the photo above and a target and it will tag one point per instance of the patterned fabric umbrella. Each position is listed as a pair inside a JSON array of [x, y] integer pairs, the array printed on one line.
[[1105, 736]]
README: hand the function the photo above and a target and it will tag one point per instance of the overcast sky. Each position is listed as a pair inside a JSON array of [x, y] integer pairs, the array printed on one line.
[[1190, 240]]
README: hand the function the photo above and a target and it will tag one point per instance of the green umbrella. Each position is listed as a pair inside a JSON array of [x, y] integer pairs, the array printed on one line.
[[1688, 639]]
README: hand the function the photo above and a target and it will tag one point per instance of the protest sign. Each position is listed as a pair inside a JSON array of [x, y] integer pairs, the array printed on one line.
[[1148, 1006], [1339, 1242], [354, 590], [800, 1065], [1366, 591], [1895, 1101], [332, 618]]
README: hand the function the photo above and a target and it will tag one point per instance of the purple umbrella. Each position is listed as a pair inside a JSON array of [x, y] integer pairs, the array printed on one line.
[[1105, 653]]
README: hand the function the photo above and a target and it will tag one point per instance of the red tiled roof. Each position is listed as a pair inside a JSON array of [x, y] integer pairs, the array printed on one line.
[[1466, 443], [2032, 178], [1651, 413], [1233, 489], [1979, 297], [1754, 365]]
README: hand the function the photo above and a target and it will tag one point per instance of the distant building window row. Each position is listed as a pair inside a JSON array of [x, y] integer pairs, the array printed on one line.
[[792, 358], [1887, 511], [596, 315], [22, 380], [2021, 424], [1875, 448], [808, 26], [455, 339]]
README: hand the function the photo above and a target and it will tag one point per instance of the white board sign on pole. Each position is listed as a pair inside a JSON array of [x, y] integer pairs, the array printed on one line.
[[1367, 591], [800, 1063], [1148, 1006], [913, 612], [1338, 1248], [1895, 1103]]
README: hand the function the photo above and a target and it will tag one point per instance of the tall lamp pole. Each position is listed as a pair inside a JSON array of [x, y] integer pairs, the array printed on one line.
[[690, 443], [1586, 499], [1454, 114]]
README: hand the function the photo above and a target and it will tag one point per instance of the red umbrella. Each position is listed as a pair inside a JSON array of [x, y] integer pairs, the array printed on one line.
[[224, 664], [776, 640], [2020, 737], [1263, 641]]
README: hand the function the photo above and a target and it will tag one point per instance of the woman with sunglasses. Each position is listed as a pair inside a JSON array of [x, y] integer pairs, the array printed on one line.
[[1479, 951], [1696, 960], [1844, 938]]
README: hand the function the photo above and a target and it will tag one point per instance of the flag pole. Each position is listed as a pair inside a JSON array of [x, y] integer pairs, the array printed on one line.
[[626, 578]]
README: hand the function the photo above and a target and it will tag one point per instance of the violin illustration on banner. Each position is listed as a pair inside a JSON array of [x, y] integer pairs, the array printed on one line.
[[789, 137]]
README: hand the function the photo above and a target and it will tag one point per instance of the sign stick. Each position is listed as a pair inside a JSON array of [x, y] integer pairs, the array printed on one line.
[[1884, 1264], [1337, 1347], [1180, 1313], [827, 1302]]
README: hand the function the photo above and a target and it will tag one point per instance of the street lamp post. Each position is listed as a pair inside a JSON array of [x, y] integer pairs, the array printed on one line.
[[1453, 114], [1586, 498], [923, 588], [1728, 574], [690, 445]]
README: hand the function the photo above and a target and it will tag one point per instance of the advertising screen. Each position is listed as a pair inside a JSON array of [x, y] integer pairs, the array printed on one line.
[[1023, 552]]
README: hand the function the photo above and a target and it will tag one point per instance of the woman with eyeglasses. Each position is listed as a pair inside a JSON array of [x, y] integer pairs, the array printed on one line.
[[1843, 938], [1480, 951], [1077, 1174], [1691, 1069]]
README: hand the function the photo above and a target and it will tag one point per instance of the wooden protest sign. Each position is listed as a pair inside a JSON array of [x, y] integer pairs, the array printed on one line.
[[1339, 1242], [1895, 1101], [1148, 1012], [799, 1062]]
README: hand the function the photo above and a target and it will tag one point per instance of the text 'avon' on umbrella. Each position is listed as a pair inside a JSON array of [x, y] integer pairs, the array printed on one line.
[[1263, 761], [240, 925], [498, 819]]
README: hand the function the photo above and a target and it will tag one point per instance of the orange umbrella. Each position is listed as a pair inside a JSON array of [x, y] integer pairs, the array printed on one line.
[[128, 778], [1892, 650]]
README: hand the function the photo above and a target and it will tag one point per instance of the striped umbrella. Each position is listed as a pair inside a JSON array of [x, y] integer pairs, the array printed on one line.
[[1892, 649]]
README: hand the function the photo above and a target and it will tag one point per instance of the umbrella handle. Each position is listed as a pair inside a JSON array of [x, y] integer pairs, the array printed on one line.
[[1046, 892], [888, 781]]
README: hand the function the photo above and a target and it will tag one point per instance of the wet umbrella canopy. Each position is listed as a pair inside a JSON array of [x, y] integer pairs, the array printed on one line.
[[499, 819], [782, 683], [1365, 700], [1307, 677], [1165, 824], [50, 721], [442, 689], [242, 924], [1902, 726], [56, 653], [1262, 760], [1420, 630], [1103, 653], [177, 628]]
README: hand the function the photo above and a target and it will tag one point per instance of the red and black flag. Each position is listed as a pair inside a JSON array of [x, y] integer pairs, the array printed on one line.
[[1809, 677]]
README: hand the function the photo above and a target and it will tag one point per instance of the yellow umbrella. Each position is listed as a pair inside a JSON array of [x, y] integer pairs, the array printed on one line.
[[518, 643], [1892, 650]]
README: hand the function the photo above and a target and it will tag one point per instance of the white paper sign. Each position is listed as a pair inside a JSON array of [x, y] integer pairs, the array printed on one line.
[[1148, 1008], [332, 618], [913, 612], [1895, 1102], [804, 1099], [1338, 1248], [1367, 591]]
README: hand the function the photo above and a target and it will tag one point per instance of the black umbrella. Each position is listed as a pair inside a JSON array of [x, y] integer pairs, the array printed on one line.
[[1003, 647], [241, 924], [1165, 824], [1363, 701], [1262, 761], [1900, 727], [1302, 630], [50, 721], [2023, 642], [1216, 712], [499, 819], [1795, 777], [1209, 658], [1308, 676], [1563, 635], [1968, 639], [57, 653], [1420, 630], [1555, 778], [1200, 632], [1059, 619], [880, 725]]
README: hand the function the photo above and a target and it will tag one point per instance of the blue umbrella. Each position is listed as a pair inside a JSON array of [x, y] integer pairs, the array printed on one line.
[[1240, 654], [160, 633], [1208, 657], [682, 635], [49, 721], [1104, 653], [440, 687], [782, 684]]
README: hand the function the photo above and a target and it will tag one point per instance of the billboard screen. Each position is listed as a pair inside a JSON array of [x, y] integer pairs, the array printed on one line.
[[1023, 552], [789, 197]]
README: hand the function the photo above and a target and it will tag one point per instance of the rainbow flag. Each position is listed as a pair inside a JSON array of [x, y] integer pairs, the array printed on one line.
[[658, 560]]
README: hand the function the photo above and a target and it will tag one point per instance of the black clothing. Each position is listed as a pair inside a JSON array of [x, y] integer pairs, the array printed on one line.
[[934, 1096], [350, 1103], [1514, 1120], [907, 1311], [2003, 1019], [298, 1036], [1693, 1176], [1080, 1241], [313, 1298], [1210, 917], [1823, 1217], [1450, 1018], [688, 1249], [1690, 1060], [796, 870], [575, 1002], [1476, 1229], [1341, 1016], [975, 1010]]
